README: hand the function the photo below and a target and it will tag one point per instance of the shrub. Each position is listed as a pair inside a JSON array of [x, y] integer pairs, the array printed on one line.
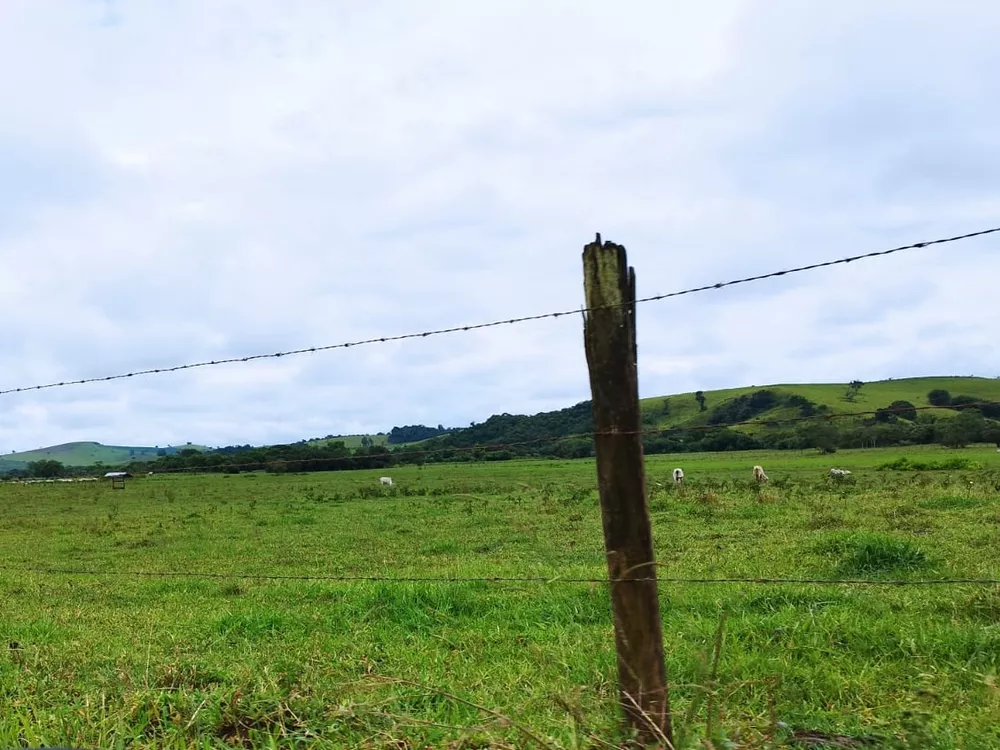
[[939, 397], [950, 464]]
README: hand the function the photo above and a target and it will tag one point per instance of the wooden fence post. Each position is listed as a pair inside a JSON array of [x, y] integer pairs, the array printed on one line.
[[609, 337]]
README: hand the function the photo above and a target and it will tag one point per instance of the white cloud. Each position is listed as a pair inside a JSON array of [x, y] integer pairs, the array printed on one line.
[[194, 180]]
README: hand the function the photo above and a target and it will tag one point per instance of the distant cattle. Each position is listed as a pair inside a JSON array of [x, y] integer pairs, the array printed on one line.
[[759, 475], [678, 476], [839, 473], [386, 481]]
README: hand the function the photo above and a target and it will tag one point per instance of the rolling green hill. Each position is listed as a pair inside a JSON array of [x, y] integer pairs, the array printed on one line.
[[684, 411], [88, 453], [759, 405]]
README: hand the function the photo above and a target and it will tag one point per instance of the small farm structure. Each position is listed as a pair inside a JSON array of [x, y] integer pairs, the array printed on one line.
[[117, 479]]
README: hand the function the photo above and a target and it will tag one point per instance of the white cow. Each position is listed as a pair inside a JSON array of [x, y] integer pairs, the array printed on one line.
[[839, 473], [678, 476], [385, 481], [759, 475]]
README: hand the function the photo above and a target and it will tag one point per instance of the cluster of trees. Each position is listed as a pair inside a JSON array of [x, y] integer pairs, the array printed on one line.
[[414, 433], [45, 469], [546, 434], [333, 456], [941, 397], [48, 468], [747, 407]]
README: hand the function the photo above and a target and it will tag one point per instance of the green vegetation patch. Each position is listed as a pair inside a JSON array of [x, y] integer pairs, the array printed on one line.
[[869, 555], [951, 464], [220, 655]]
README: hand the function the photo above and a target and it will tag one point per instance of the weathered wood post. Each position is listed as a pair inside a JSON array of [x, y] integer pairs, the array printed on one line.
[[609, 337]]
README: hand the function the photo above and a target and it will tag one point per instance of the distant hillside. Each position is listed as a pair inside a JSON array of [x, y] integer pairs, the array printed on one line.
[[771, 409], [684, 411], [88, 453], [6, 466], [396, 436], [351, 441], [782, 416]]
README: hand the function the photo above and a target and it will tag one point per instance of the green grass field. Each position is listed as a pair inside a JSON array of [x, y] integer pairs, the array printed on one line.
[[111, 659]]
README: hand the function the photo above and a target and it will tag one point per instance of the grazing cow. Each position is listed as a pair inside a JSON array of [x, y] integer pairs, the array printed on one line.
[[678, 476], [759, 475], [839, 473], [386, 481]]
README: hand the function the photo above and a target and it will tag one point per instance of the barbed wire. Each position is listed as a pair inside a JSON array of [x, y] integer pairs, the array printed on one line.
[[495, 323], [493, 447], [547, 580]]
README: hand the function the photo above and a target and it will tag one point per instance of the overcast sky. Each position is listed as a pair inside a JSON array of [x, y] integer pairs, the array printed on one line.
[[203, 179]]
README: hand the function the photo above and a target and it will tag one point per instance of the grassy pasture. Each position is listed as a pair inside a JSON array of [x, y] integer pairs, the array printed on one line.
[[116, 660]]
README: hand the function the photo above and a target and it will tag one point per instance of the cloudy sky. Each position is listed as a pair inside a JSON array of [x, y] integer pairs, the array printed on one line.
[[201, 179]]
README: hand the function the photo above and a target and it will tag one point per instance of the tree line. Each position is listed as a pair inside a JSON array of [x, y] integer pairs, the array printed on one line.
[[797, 424]]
